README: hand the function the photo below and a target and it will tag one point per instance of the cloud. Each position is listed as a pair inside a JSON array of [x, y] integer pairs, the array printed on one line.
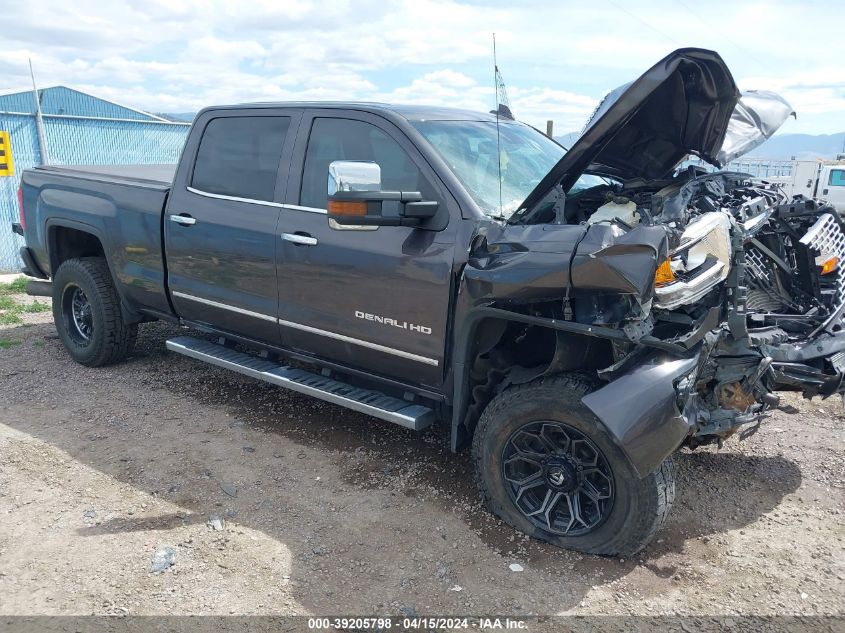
[[567, 109], [557, 58], [817, 94], [441, 87]]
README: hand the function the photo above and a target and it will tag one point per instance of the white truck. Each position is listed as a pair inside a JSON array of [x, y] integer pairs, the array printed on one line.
[[812, 178]]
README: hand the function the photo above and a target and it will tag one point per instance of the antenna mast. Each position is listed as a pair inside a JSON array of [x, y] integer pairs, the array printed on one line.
[[39, 121], [496, 77]]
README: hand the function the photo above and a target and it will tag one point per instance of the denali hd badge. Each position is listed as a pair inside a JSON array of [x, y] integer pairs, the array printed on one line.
[[422, 329]]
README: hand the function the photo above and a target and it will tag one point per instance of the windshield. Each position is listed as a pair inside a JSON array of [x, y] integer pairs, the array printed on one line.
[[469, 148]]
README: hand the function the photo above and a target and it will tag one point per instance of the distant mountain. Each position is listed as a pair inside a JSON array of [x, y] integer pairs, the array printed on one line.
[[801, 146], [779, 147]]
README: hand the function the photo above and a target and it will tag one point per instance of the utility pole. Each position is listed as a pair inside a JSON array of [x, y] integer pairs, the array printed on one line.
[[39, 121]]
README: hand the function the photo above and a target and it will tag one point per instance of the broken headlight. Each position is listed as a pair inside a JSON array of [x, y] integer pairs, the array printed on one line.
[[702, 260]]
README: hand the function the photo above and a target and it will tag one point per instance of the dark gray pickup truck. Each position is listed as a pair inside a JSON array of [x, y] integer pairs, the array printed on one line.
[[577, 316]]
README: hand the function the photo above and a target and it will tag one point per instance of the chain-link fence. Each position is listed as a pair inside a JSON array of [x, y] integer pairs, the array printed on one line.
[[78, 141]]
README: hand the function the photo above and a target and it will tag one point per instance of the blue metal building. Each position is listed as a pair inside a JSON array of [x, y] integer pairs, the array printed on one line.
[[79, 129]]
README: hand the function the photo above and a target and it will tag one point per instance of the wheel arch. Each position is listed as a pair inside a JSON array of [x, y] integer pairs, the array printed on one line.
[[68, 239], [639, 406], [489, 330]]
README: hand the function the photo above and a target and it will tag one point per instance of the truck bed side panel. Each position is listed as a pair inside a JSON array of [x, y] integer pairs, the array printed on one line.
[[125, 215]]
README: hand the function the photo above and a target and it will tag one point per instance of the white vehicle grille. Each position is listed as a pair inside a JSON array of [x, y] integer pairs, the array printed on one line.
[[828, 240]]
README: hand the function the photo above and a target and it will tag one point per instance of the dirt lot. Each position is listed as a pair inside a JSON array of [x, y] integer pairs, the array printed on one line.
[[321, 510]]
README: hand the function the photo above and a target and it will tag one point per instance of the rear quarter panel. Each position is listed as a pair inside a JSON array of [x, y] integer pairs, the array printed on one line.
[[125, 217]]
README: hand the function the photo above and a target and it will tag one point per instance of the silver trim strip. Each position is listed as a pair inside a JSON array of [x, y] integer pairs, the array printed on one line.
[[218, 196], [265, 203], [357, 341], [307, 328], [224, 306]]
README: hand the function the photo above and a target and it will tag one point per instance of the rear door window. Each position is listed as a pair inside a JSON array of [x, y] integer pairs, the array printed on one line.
[[239, 156]]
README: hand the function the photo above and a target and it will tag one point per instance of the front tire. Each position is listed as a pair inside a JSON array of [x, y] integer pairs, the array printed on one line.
[[546, 466], [86, 310]]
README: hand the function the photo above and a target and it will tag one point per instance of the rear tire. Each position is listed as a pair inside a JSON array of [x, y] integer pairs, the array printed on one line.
[[539, 452], [86, 310]]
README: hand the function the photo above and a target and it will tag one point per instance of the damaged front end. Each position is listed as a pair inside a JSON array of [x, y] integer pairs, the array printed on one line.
[[752, 286], [782, 320], [770, 269], [717, 295], [707, 292]]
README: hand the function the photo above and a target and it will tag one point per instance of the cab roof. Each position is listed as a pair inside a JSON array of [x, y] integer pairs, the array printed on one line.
[[409, 112]]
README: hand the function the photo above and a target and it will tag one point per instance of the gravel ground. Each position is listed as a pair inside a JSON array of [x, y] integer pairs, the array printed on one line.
[[272, 502]]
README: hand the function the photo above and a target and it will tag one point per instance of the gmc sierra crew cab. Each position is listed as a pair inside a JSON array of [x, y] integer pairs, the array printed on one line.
[[575, 316]]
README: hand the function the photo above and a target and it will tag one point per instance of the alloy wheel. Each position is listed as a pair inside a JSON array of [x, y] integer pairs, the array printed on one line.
[[558, 478], [79, 314]]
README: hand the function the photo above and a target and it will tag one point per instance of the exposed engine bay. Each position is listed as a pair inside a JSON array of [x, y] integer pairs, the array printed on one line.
[[756, 276]]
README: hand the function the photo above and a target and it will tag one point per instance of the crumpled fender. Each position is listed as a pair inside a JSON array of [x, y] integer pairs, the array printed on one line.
[[606, 261], [532, 263], [640, 410]]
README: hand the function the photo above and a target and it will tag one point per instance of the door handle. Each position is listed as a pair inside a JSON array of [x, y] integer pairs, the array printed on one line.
[[295, 238], [184, 220], [824, 192]]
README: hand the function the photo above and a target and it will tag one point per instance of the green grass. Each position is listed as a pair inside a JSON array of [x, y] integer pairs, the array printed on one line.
[[10, 318], [17, 287], [36, 306], [11, 310], [7, 343]]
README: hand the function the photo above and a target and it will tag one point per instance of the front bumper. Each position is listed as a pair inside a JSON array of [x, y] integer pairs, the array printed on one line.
[[640, 409]]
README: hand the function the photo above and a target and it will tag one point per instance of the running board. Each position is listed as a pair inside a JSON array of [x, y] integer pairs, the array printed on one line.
[[407, 414]]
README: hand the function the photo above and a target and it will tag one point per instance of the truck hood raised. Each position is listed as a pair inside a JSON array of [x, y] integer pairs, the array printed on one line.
[[685, 104]]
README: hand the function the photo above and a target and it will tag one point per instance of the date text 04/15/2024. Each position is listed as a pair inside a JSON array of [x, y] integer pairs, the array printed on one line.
[[415, 623]]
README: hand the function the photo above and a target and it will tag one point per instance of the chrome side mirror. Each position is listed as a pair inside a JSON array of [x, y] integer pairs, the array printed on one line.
[[353, 175], [355, 199]]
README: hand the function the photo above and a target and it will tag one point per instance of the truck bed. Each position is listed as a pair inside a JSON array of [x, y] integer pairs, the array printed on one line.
[[122, 205], [155, 176]]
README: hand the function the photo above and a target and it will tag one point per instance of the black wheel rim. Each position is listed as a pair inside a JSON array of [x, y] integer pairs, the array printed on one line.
[[557, 478], [78, 314]]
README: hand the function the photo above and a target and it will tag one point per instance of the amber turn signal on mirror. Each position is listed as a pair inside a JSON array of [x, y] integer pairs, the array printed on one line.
[[347, 207]]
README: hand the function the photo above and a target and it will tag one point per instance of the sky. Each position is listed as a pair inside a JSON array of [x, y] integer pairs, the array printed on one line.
[[557, 58]]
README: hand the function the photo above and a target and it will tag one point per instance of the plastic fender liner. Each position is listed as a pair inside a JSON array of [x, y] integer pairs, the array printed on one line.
[[640, 411]]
